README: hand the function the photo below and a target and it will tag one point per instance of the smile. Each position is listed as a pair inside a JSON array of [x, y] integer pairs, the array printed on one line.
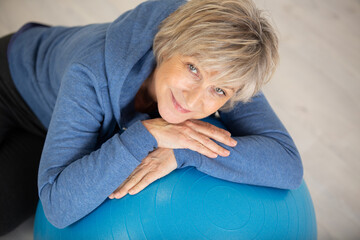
[[178, 106]]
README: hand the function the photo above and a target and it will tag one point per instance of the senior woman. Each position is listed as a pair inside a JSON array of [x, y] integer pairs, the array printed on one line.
[[120, 105]]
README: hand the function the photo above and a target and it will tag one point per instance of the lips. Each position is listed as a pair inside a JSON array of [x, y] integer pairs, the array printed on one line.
[[178, 106]]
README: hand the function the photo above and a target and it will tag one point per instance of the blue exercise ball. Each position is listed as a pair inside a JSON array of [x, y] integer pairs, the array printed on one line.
[[188, 204]]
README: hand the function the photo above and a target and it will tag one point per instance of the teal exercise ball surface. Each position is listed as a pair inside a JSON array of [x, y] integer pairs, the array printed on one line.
[[188, 204]]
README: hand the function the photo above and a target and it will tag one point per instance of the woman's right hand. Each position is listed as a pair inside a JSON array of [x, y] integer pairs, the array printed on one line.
[[196, 135]]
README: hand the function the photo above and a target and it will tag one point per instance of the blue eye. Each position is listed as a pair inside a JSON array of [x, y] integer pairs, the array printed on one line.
[[219, 91], [193, 69]]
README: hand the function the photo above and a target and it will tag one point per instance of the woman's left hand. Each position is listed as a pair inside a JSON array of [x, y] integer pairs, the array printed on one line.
[[156, 165]]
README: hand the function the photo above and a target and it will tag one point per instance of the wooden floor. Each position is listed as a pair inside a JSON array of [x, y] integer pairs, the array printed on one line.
[[315, 92]]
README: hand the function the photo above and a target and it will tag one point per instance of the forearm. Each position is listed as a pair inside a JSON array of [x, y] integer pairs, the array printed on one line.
[[72, 185], [256, 160], [84, 184]]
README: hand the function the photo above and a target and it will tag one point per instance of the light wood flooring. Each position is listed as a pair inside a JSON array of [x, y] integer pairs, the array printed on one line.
[[315, 91]]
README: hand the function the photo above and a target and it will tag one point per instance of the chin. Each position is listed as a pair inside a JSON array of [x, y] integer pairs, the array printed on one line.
[[170, 117]]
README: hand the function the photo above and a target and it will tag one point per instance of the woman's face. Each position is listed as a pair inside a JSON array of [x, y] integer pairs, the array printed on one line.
[[183, 90]]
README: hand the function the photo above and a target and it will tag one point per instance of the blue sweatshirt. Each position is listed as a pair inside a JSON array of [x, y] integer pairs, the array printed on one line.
[[81, 83]]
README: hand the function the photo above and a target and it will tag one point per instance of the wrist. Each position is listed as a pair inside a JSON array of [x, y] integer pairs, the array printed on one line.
[[138, 140], [151, 128], [186, 157]]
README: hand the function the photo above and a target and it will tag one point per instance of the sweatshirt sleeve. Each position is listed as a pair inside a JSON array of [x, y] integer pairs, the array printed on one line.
[[75, 174], [265, 154]]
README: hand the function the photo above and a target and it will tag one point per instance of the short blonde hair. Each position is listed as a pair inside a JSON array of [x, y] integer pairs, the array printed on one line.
[[231, 37]]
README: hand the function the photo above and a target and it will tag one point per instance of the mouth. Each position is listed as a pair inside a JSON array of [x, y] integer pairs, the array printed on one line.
[[178, 106]]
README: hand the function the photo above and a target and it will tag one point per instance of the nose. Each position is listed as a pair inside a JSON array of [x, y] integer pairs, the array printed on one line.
[[194, 98]]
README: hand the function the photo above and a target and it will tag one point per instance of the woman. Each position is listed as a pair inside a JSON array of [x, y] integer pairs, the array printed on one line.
[[120, 103]]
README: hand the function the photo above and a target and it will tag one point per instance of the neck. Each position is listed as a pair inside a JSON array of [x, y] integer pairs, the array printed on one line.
[[150, 85], [145, 99]]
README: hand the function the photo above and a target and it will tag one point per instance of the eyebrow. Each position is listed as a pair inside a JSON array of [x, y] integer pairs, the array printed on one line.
[[230, 88]]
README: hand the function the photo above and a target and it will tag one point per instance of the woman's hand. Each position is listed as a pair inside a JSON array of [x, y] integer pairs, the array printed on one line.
[[157, 164], [191, 134]]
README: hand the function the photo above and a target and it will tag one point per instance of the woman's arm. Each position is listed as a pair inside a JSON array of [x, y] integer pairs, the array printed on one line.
[[191, 134], [75, 174], [265, 154]]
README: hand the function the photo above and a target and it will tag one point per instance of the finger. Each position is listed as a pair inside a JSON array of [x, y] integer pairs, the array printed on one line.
[[119, 192], [210, 144], [132, 180], [202, 144], [112, 195], [195, 145], [212, 131], [144, 182], [163, 162]]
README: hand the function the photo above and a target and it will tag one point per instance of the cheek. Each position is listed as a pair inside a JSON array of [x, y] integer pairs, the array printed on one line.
[[215, 104], [161, 85], [169, 80], [211, 107], [208, 109]]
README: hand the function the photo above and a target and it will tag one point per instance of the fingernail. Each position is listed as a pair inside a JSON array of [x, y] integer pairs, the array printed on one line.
[[234, 142], [227, 153]]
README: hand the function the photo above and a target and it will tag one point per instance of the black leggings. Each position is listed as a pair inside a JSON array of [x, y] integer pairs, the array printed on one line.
[[22, 138]]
